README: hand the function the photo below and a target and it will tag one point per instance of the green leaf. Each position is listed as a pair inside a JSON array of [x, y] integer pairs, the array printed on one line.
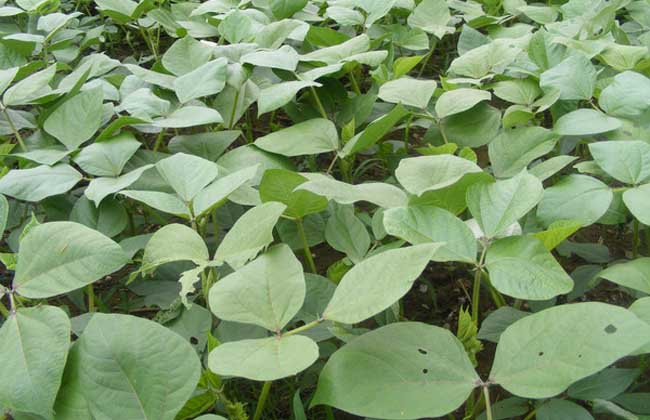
[[37, 183], [498, 205], [575, 197], [154, 385], [265, 359], [518, 91], [168, 203], [431, 16], [208, 79], [425, 224], [374, 131], [641, 308], [634, 274], [305, 138], [472, 128], [100, 188], [370, 286], [575, 78], [174, 242], [378, 193], [186, 55], [537, 356], [267, 292], [252, 232], [408, 91], [187, 174], [30, 88], [421, 174], [585, 122], [110, 218], [189, 116], [557, 232], [209, 145], [77, 119], [409, 370], [34, 346], [107, 158], [606, 384], [284, 58], [557, 409], [280, 94], [282, 9], [346, 233], [628, 96], [497, 321], [59, 257], [280, 185], [459, 100], [625, 161], [521, 267], [215, 193], [637, 200], [4, 214], [513, 150]]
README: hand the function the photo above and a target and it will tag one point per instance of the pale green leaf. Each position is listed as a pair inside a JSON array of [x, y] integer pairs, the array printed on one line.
[[459, 100], [305, 138], [37, 183]]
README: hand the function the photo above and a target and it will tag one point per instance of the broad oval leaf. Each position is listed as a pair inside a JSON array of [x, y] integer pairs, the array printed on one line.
[[60, 257], [424, 224], [409, 369], [459, 100], [306, 138], [267, 292], [634, 274], [377, 282], [187, 174], [521, 267], [249, 235], [174, 242], [537, 356], [585, 122], [626, 161], [428, 173], [34, 346], [637, 200], [264, 359], [148, 368], [408, 91], [77, 119], [37, 183]]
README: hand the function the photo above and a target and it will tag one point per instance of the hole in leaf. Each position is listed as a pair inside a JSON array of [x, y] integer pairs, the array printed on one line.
[[425, 371], [541, 353], [300, 323], [422, 351], [194, 340], [610, 329], [579, 356]]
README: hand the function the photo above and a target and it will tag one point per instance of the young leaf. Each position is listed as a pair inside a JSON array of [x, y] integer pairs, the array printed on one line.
[[265, 359], [187, 174], [59, 257], [410, 370], [34, 346], [249, 235], [537, 356], [371, 286], [428, 173], [267, 292], [174, 242], [280, 185]]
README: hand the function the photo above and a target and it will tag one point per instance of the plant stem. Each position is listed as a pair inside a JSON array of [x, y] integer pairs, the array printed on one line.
[[319, 104], [355, 85], [426, 58], [3, 310], [305, 245], [530, 415], [234, 110], [635, 238], [407, 132], [159, 140], [488, 405], [261, 402], [91, 297], [19, 138], [476, 288], [329, 413], [305, 327]]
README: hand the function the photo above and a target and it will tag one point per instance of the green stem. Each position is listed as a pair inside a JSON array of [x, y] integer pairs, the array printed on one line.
[[305, 245], [635, 238], [234, 110], [488, 406], [319, 104], [159, 140], [91, 297], [305, 327], [407, 132], [3, 310], [329, 413], [19, 138], [426, 58], [261, 402], [530, 415], [355, 85], [476, 288]]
